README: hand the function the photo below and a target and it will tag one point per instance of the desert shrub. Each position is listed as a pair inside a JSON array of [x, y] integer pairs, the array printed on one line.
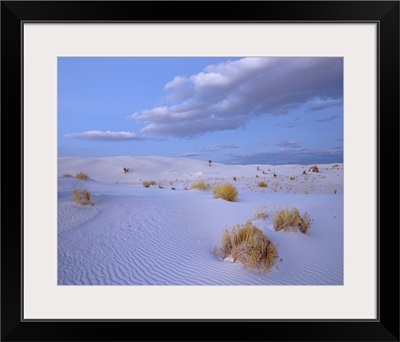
[[304, 172], [290, 219], [201, 185], [248, 245], [234, 178], [81, 197], [262, 184], [209, 162], [260, 213], [274, 175], [313, 169], [173, 189], [82, 176], [67, 175], [146, 184], [292, 178], [225, 191], [126, 170]]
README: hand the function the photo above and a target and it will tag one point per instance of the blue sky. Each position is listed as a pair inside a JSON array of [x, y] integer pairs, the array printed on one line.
[[229, 110]]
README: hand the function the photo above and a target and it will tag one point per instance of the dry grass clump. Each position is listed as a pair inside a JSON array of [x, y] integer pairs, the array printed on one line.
[[290, 219], [201, 185], [248, 245], [82, 197], [146, 184], [82, 176], [225, 191], [67, 175], [260, 213], [262, 184]]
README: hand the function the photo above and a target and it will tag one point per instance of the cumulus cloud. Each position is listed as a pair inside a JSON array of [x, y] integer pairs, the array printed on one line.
[[104, 136], [230, 94]]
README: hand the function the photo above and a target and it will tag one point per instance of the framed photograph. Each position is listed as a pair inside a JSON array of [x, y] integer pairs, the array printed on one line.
[[200, 163]]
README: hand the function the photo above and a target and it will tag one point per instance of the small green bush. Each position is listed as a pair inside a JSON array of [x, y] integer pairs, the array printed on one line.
[[225, 191]]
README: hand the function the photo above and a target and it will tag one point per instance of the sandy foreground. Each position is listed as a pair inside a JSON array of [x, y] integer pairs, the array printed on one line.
[[166, 234]]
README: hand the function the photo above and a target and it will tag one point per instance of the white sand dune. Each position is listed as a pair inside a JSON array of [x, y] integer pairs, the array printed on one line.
[[134, 235]]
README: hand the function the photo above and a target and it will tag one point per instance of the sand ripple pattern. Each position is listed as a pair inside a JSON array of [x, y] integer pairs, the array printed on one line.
[[143, 242]]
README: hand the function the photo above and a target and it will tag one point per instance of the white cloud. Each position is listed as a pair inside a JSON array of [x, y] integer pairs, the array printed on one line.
[[230, 94], [319, 104], [103, 136]]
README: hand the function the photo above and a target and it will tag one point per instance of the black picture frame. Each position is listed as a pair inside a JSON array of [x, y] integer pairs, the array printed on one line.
[[15, 328]]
